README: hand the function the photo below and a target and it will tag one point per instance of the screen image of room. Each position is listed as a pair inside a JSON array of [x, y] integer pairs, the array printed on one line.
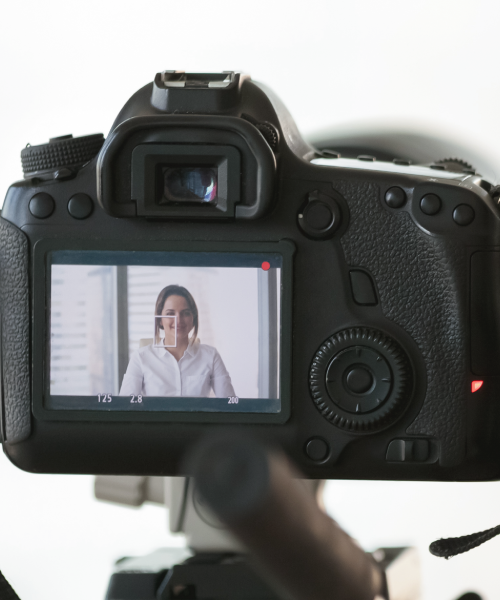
[[100, 315]]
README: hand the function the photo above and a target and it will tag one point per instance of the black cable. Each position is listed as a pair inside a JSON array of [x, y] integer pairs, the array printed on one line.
[[6, 591], [453, 546]]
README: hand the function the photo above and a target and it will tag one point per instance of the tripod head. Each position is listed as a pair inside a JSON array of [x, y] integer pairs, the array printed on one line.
[[276, 529]]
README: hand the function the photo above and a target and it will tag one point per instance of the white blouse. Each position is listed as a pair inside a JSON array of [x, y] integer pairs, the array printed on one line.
[[155, 372]]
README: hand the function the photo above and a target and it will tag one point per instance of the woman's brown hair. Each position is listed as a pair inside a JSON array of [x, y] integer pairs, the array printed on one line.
[[175, 290]]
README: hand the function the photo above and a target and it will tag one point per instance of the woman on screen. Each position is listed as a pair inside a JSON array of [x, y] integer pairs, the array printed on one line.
[[176, 363]]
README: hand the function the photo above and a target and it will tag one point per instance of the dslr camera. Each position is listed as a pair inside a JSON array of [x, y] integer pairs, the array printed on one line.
[[203, 267]]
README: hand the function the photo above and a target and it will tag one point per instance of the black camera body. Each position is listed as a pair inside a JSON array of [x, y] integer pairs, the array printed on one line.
[[351, 305]]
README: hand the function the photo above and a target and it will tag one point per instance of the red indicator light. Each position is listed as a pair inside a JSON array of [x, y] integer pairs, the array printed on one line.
[[476, 385], [266, 266]]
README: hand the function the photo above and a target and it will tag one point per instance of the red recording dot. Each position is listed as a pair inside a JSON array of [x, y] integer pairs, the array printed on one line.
[[266, 266], [476, 385]]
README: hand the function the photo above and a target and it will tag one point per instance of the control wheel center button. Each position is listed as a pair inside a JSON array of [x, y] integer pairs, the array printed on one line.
[[359, 380]]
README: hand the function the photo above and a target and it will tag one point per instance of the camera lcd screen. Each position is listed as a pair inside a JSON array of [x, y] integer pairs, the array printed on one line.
[[164, 331]]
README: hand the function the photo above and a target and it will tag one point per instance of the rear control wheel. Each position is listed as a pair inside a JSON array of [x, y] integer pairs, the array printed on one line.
[[361, 380]]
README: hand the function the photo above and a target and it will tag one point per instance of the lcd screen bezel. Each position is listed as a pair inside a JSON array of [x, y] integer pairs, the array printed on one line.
[[41, 308]]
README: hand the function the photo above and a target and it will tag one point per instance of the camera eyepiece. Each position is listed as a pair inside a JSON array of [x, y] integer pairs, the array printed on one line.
[[189, 185]]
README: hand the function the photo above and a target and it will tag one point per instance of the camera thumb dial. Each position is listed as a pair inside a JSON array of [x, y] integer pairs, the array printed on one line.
[[361, 380], [61, 157]]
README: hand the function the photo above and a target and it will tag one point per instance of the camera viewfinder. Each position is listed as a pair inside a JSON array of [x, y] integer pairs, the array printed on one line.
[[188, 185]]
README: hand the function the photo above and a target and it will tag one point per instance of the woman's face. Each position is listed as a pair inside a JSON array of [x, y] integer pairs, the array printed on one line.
[[177, 306]]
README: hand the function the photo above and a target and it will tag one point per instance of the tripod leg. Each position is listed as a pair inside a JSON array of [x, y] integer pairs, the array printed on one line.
[[304, 553]]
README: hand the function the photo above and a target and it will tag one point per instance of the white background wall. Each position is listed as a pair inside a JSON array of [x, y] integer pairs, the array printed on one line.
[[67, 67]]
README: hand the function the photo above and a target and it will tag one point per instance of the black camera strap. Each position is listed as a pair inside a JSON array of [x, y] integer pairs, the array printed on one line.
[[452, 546]]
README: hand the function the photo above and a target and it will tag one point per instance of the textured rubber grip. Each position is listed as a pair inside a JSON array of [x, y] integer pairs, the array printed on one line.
[[422, 285], [15, 336], [69, 152]]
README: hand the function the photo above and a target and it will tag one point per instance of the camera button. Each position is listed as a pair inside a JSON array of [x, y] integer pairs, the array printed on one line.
[[317, 449], [463, 214], [395, 197], [80, 206], [359, 380], [318, 215], [42, 205], [430, 204], [362, 288], [413, 450]]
